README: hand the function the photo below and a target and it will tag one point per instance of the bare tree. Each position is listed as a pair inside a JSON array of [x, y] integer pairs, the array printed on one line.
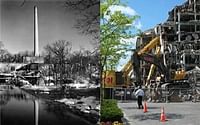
[[89, 11], [2, 50], [59, 53], [89, 20], [5, 56]]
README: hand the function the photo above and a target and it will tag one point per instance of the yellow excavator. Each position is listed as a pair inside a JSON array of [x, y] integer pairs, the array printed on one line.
[[122, 78], [118, 79], [169, 75]]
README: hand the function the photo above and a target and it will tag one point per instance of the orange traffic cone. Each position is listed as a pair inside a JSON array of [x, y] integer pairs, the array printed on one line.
[[162, 115], [145, 107]]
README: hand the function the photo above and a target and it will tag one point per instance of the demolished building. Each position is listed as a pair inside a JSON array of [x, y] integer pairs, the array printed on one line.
[[179, 38]]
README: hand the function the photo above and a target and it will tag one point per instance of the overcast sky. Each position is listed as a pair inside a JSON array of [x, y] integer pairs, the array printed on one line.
[[56, 22]]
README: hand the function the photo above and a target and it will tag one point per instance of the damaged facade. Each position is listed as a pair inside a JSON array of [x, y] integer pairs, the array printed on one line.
[[179, 39]]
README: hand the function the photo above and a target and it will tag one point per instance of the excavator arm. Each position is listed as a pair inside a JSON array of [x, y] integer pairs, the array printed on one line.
[[127, 68], [126, 71], [155, 60], [152, 59], [134, 62], [152, 44], [142, 54], [153, 67]]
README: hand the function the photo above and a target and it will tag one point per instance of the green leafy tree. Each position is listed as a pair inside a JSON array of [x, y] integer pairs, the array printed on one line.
[[115, 27]]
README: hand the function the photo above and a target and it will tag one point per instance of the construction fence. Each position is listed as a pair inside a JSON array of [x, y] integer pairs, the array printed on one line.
[[155, 95]]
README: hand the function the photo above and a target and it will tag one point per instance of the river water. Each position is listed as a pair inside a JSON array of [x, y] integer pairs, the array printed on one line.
[[18, 107]]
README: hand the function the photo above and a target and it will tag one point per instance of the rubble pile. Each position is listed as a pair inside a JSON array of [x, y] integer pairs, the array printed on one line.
[[180, 38]]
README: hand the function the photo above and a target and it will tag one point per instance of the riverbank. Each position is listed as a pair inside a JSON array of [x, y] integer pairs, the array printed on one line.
[[19, 107], [81, 102]]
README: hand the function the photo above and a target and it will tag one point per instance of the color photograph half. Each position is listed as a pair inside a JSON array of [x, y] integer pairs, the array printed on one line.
[[150, 54]]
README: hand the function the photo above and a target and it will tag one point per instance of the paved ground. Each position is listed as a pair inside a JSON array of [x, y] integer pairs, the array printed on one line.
[[186, 113]]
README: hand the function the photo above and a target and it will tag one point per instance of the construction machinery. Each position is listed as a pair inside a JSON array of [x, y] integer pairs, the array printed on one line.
[[168, 75], [118, 79], [174, 50], [123, 77]]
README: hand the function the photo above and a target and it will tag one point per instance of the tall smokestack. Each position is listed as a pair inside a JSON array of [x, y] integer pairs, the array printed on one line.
[[36, 41]]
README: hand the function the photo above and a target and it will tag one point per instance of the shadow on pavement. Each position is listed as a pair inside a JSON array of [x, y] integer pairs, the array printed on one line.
[[156, 116], [137, 108], [153, 107], [129, 108]]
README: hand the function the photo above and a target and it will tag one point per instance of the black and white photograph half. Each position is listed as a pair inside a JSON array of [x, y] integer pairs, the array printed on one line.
[[49, 62]]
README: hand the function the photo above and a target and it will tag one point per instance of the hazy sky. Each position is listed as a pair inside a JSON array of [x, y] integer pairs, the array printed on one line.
[[56, 22]]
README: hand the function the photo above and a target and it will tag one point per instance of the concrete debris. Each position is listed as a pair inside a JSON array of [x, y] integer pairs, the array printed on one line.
[[179, 36]]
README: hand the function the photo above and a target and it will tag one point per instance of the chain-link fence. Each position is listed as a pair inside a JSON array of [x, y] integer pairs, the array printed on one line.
[[157, 94]]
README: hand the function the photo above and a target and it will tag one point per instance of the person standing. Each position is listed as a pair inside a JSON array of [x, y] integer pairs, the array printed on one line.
[[139, 94]]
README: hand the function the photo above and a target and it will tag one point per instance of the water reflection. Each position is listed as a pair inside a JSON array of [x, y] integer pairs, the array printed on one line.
[[36, 111], [7, 96], [20, 108]]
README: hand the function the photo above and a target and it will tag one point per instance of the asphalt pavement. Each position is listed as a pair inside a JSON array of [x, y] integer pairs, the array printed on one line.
[[185, 113]]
